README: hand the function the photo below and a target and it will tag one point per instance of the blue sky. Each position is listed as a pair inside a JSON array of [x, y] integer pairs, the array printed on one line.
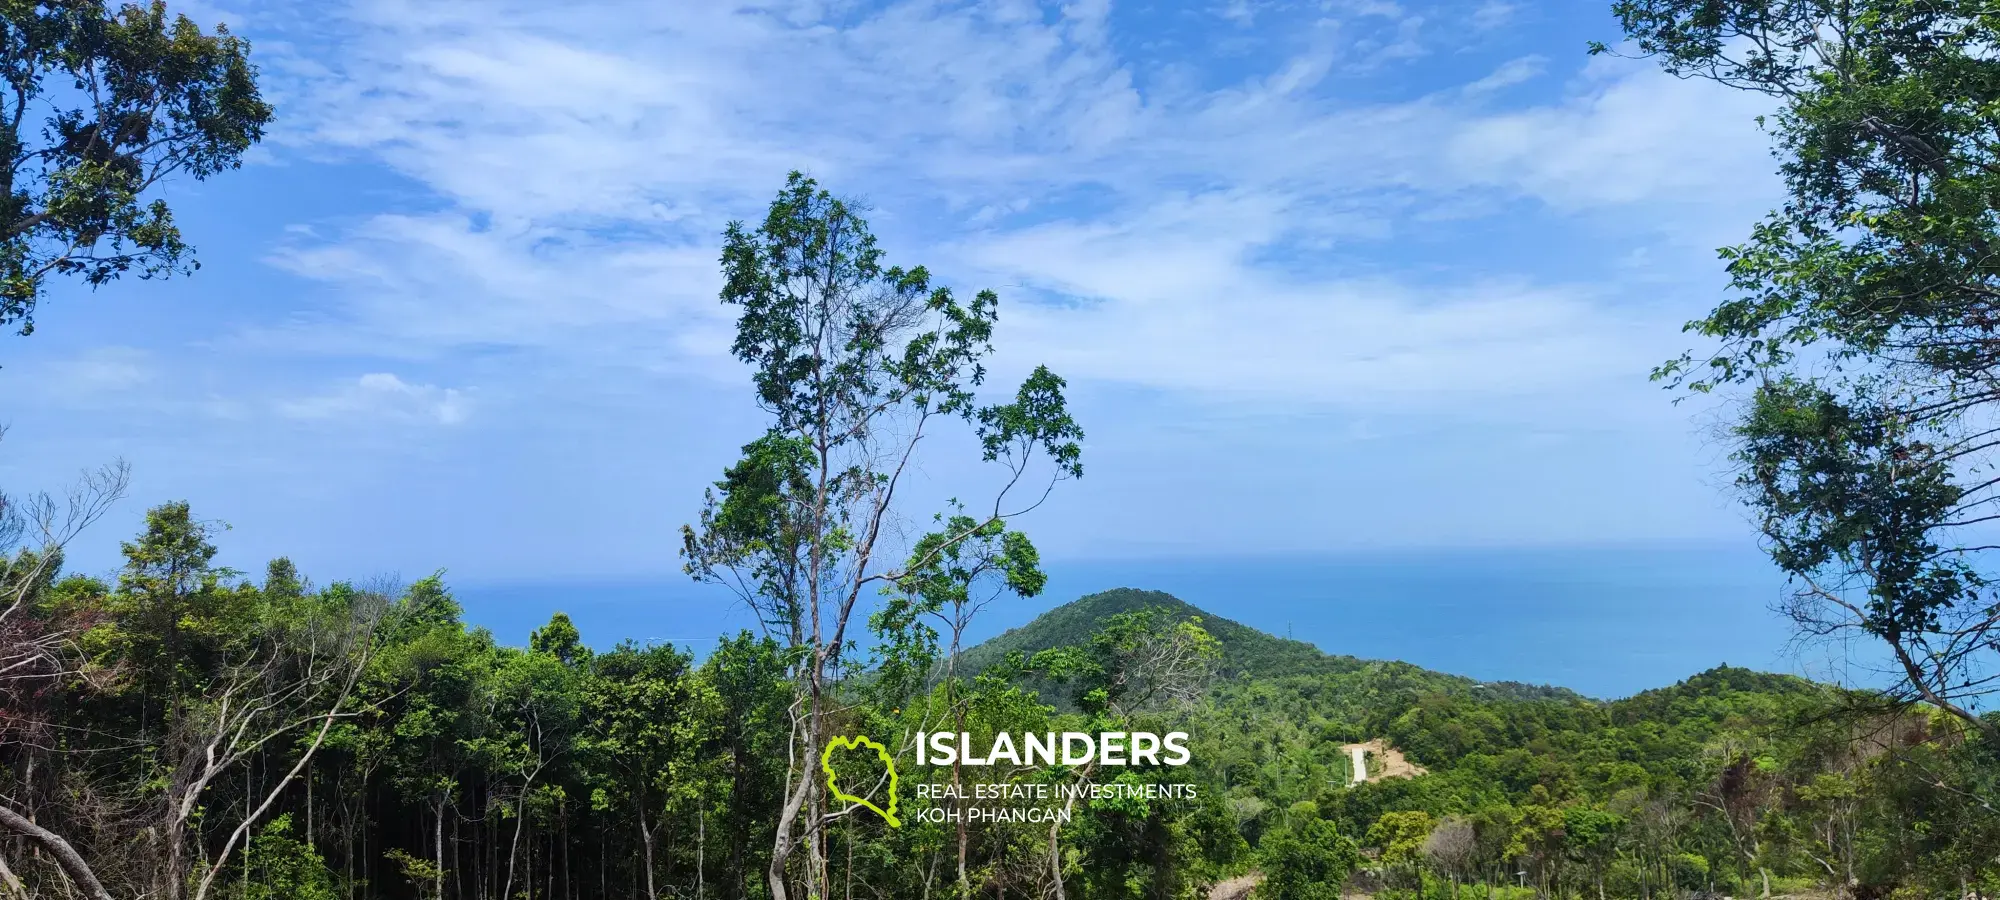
[[1325, 277]]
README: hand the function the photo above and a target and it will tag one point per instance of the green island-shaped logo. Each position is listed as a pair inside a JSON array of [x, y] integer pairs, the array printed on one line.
[[833, 780]]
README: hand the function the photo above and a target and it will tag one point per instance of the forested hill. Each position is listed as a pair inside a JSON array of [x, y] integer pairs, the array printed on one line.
[[445, 766], [1246, 652]]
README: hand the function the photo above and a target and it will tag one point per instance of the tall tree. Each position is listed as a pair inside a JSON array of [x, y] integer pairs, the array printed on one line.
[[1452, 848], [748, 677], [101, 105], [202, 679], [649, 729], [855, 364], [1864, 315]]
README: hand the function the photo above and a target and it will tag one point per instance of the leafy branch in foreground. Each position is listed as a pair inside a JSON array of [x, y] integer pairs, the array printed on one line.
[[1863, 314], [100, 106]]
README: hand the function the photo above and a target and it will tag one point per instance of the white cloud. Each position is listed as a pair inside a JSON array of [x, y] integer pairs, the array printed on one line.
[[100, 371], [584, 161], [1513, 72], [1493, 14], [1175, 302], [604, 113], [378, 396], [1629, 136], [1272, 251], [443, 281], [1240, 12]]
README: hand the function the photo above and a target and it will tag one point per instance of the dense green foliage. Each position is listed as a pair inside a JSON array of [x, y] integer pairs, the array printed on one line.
[[1244, 650], [1310, 862], [1862, 320], [371, 744], [101, 104]]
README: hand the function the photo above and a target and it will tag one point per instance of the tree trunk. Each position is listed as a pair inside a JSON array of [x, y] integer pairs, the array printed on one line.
[[784, 843], [171, 884], [249, 791], [514, 848], [646, 838], [437, 883], [1055, 861], [1055, 831], [14, 885], [72, 863], [958, 716]]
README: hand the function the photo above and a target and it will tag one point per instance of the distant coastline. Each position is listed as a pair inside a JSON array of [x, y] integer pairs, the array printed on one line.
[[1605, 621]]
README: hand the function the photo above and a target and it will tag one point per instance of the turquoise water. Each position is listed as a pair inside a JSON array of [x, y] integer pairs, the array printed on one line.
[[1605, 621]]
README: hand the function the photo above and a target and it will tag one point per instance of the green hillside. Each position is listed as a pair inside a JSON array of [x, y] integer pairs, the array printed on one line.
[[1247, 653], [1731, 780]]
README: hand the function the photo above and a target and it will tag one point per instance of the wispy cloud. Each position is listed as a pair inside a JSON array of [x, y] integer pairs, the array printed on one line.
[[100, 371], [583, 162], [1510, 73], [1243, 230], [1628, 137], [1493, 14], [381, 395]]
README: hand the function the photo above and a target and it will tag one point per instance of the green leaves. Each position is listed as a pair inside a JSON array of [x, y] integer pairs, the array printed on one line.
[[857, 362], [1848, 482], [285, 868], [827, 330], [1883, 251], [561, 640], [1401, 836], [634, 762], [1310, 862], [175, 621], [164, 98], [648, 732], [1137, 660], [1038, 419], [1863, 312], [851, 359]]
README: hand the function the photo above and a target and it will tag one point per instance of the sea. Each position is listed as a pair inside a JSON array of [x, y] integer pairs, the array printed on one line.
[[1605, 621]]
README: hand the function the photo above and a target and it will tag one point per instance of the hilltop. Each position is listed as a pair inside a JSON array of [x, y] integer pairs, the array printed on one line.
[[1278, 731], [1247, 653]]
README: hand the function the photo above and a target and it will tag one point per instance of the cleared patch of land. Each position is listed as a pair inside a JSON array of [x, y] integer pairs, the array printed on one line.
[[1384, 761], [1236, 888]]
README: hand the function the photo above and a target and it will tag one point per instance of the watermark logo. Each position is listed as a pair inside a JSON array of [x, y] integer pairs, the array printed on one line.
[[833, 779]]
